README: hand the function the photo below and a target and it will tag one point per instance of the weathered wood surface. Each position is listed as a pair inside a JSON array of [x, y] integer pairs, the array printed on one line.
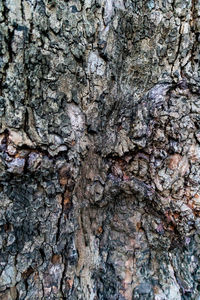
[[99, 149]]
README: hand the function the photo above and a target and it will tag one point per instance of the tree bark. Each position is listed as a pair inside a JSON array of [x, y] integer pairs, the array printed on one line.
[[99, 149]]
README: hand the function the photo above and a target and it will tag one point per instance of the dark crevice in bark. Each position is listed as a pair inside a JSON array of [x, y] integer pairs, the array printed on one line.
[[9, 44], [58, 234]]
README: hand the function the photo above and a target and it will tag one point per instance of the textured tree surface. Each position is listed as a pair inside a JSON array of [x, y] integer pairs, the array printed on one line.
[[99, 149]]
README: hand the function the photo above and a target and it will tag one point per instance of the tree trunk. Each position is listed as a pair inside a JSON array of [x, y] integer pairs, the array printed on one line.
[[99, 149]]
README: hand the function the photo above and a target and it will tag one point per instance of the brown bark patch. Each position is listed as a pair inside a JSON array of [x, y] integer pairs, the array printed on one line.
[[174, 161]]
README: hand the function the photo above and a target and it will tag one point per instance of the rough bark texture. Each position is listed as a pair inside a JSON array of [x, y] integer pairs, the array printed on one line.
[[99, 149]]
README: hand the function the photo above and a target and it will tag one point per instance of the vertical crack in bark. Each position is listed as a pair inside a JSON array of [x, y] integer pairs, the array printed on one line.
[[195, 34], [58, 234], [9, 43], [62, 282], [22, 10], [178, 51]]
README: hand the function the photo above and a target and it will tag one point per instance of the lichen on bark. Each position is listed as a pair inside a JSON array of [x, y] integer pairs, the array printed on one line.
[[99, 149]]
